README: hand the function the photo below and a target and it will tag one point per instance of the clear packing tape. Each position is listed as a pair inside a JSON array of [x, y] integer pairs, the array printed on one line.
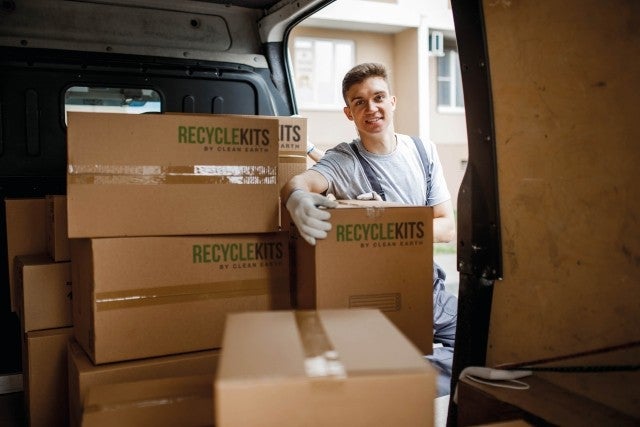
[[143, 297], [153, 175], [292, 157], [321, 359]]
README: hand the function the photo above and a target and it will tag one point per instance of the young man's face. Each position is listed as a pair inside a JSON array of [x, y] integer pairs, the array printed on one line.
[[370, 106]]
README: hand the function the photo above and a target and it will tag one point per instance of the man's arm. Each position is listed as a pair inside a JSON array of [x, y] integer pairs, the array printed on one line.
[[444, 225], [309, 181]]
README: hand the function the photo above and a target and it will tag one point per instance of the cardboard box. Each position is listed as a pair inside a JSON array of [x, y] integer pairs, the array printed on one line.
[[25, 220], [173, 174], [45, 377], [178, 401], [56, 228], [325, 368], [292, 155], [377, 255], [44, 288], [151, 296], [292, 159], [83, 374]]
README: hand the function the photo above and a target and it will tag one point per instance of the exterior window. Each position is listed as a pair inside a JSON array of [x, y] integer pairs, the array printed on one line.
[[319, 66], [450, 97], [111, 100]]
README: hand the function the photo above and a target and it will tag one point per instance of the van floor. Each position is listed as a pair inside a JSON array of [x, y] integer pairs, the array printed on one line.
[[12, 410]]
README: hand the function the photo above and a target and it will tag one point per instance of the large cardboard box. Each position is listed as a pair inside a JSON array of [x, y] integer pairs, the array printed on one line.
[[173, 174], [83, 374], [325, 368], [44, 288], [292, 159], [151, 296], [45, 377], [377, 255], [178, 401], [56, 228], [292, 155], [25, 220]]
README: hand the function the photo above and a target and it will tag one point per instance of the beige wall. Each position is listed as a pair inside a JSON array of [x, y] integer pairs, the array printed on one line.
[[406, 78]]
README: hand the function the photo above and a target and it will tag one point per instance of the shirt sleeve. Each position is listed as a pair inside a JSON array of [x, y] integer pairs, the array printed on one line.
[[438, 191]]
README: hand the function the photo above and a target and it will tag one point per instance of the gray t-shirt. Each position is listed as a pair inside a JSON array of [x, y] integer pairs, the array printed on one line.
[[400, 173]]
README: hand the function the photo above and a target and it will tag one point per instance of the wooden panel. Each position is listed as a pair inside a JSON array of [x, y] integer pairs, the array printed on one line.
[[565, 82]]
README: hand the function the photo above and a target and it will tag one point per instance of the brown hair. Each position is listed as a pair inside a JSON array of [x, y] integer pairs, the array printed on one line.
[[361, 72]]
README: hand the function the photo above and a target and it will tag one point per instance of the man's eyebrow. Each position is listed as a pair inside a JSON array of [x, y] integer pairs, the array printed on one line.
[[380, 92]]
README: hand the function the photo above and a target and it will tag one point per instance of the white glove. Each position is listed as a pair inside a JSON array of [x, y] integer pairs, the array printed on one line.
[[311, 221], [370, 196]]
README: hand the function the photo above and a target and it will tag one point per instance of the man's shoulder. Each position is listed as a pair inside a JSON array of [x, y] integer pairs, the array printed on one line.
[[341, 149]]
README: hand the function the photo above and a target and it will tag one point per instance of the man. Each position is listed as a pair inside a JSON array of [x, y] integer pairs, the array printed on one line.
[[380, 161]]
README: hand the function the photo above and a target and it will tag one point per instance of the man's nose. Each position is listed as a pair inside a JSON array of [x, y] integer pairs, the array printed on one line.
[[371, 105]]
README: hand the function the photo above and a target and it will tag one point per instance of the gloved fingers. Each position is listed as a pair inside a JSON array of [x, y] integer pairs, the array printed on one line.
[[370, 196], [320, 200], [313, 213], [311, 233]]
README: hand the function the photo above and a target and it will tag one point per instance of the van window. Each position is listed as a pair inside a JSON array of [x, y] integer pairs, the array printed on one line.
[[111, 100]]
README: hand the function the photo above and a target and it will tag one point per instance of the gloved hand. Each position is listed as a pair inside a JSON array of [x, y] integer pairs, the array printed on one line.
[[311, 221], [370, 196]]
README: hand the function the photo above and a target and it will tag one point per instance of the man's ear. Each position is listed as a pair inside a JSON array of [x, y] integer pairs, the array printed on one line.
[[347, 112], [393, 103]]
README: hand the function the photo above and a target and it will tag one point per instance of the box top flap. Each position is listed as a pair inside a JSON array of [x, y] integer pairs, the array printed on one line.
[[276, 345]]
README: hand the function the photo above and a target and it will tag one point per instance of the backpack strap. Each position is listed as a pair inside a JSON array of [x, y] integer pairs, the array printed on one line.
[[368, 171]]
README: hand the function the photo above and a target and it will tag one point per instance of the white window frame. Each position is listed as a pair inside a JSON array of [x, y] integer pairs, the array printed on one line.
[[451, 55], [330, 70]]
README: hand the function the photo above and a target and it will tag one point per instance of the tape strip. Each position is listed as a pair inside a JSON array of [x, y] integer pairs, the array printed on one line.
[[146, 403], [135, 298], [321, 359], [192, 174], [292, 158]]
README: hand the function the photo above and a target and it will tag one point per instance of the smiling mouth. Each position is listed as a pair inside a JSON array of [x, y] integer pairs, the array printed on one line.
[[373, 120]]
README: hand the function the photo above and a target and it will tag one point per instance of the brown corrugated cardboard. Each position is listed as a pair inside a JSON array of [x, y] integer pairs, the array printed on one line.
[[292, 159], [56, 228], [83, 374], [292, 155], [44, 289], [325, 368], [179, 401], [25, 220], [376, 255], [171, 174], [151, 296], [45, 377]]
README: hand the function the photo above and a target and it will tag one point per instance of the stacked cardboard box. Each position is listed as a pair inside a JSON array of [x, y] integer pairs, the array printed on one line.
[[138, 297], [25, 219], [56, 229], [40, 290], [84, 375], [174, 222], [321, 368], [377, 255], [180, 401]]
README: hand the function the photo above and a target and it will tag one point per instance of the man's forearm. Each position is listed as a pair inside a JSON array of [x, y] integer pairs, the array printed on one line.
[[444, 230]]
